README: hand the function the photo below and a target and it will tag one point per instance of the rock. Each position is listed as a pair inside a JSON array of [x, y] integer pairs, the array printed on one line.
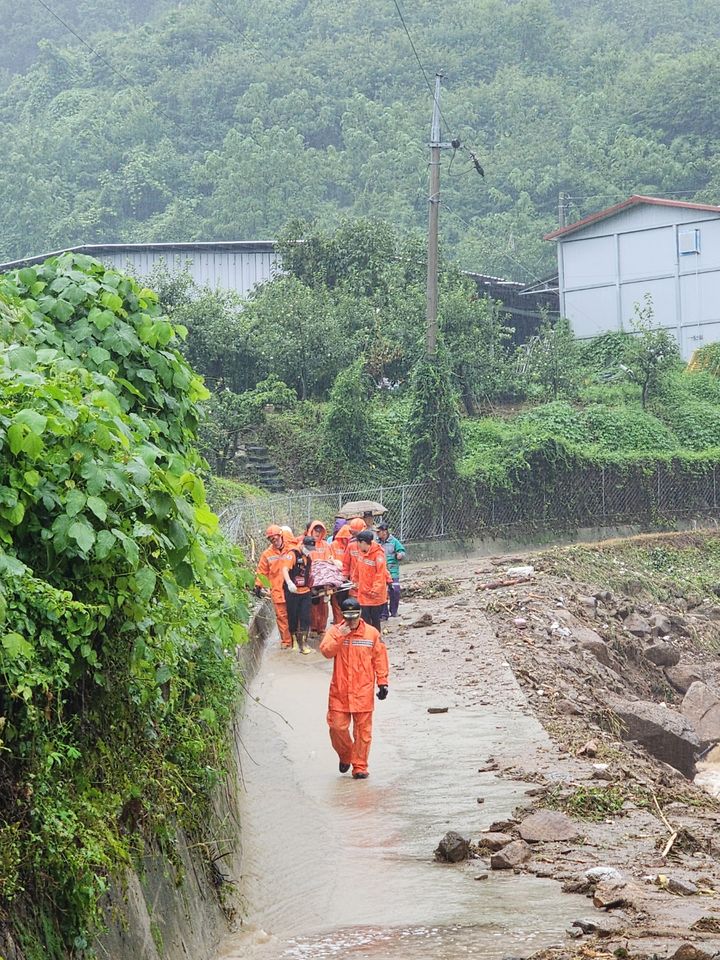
[[482, 876], [637, 625], [691, 951], [576, 886], [548, 826], [600, 874], [511, 856], [660, 625], [523, 571], [501, 826], [590, 603], [702, 708], [589, 750], [598, 649], [603, 926], [423, 621], [567, 708], [604, 596], [616, 893], [664, 733], [601, 771], [683, 675], [437, 709], [662, 654], [494, 841], [452, 848], [684, 888]]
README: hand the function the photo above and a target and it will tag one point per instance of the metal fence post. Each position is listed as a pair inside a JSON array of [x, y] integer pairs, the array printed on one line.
[[602, 473], [402, 514]]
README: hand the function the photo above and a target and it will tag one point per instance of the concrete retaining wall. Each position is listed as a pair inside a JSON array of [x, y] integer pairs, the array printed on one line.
[[166, 913]]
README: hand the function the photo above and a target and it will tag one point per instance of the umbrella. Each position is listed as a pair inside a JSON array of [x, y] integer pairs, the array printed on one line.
[[356, 508]]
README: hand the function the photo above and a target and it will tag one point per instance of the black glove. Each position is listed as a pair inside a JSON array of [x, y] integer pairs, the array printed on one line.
[[382, 692], [257, 591]]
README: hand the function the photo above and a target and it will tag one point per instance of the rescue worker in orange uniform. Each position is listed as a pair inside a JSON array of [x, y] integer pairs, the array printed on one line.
[[339, 545], [271, 567], [323, 551], [361, 661], [351, 553], [371, 577]]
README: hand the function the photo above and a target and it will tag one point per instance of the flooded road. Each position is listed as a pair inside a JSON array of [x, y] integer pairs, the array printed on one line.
[[334, 867]]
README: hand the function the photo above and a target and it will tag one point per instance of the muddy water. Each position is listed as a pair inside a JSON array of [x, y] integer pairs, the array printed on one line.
[[708, 775], [340, 868]]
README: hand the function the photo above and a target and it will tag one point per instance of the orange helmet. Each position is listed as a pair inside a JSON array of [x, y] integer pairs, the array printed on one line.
[[356, 524], [273, 531]]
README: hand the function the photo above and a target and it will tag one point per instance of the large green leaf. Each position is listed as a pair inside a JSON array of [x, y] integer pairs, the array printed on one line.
[[16, 646], [83, 534]]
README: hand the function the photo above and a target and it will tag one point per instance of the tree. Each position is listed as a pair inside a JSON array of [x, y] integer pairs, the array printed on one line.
[[550, 360], [651, 352], [346, 429], [434, 426]]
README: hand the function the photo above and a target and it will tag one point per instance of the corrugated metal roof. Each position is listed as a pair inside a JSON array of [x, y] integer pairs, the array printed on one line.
[[619, 207], [98, 249]]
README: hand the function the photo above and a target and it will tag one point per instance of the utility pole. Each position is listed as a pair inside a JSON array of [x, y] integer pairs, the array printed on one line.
[[562, 208], [433, 216]]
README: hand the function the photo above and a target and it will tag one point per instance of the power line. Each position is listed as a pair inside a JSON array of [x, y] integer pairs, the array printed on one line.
[[243, 34], [419, 62], [130, 83], [506, 252]]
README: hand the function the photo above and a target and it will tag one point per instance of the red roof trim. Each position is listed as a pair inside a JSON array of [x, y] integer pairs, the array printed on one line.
[[630, 202]]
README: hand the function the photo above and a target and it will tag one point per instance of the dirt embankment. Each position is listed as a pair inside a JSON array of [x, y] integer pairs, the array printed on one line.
[[616, 649]]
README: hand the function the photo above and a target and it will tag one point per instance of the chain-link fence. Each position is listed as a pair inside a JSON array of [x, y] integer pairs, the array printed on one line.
[[594, 496]]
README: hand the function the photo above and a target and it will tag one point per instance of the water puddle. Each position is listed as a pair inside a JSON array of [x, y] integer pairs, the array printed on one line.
[[334, 867]]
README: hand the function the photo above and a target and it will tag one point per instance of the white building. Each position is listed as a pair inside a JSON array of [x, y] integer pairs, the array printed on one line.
[[237, 265], [669, 249]]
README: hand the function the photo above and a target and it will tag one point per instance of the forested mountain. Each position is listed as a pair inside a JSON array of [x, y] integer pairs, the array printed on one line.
[[221, 119]]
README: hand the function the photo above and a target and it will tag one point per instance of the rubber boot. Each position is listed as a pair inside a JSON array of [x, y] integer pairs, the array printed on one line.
[[295, 644], [303, 641]]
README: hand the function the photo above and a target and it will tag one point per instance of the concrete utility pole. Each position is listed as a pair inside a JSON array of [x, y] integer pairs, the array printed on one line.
[[434, 200], [562, 208]]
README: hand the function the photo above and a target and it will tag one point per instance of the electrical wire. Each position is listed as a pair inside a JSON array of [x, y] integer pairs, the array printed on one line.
[[420, 64], [506, 252], [243, 34], [130, 83]]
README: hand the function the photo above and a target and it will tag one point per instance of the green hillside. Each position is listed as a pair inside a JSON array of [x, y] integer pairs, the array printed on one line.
[[219, 119]]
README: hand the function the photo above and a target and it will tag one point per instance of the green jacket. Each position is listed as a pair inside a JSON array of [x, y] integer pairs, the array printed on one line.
[[394, 552]]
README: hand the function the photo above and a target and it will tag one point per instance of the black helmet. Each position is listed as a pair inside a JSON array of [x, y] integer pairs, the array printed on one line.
[[351, 606]]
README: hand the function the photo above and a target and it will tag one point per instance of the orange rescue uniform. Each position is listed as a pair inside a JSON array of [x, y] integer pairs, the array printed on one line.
[[361, 661], [322, 551], [372, 577], [339, 547], [271, 565]]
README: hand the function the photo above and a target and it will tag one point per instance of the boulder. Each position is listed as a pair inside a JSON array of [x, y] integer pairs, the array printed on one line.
[[494, 841], [513, 855], [600, 874], [660, 625], [683, 675], [662, 654], [637, 625], [452, 848], [702, 708], [664, 733], [695, 951], [548, 826], [683, 888], [582, 634], [616, 893], [598, 649]]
